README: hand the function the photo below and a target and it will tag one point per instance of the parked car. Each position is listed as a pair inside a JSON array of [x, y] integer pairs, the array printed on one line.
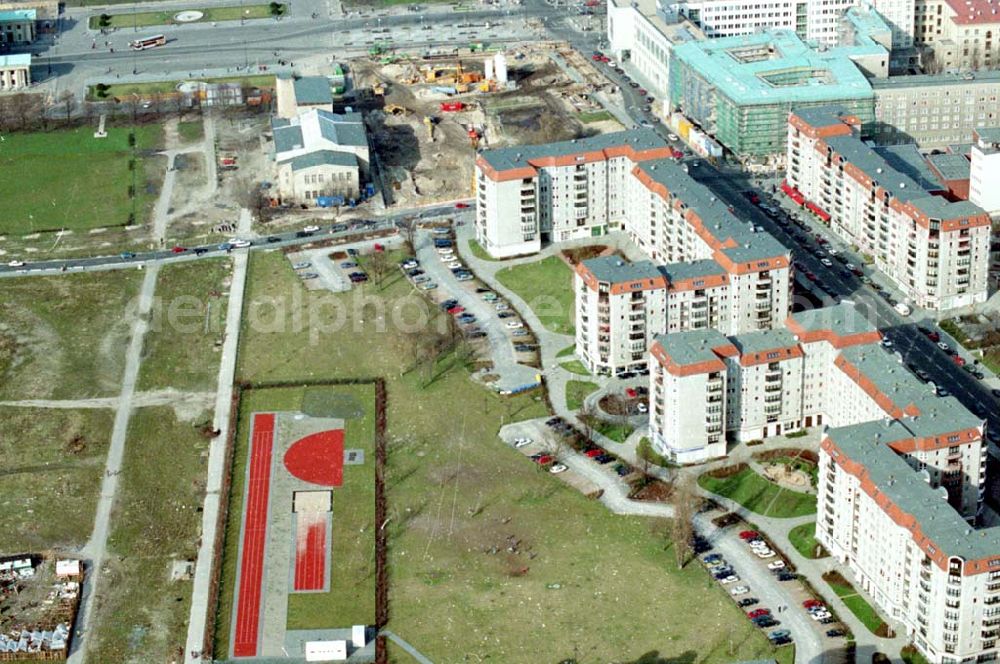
[[522, 442], [747, 601], [302, 266], [834, 633], [311, 229], [811, 604], [514, 324], [787, 576], [748, 535], [777, 564], [558, 468], [759, 612], [739, 590], [178, 250]]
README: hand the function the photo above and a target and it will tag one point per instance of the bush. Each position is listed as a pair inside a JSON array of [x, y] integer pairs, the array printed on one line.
[[797, 434], [754, 442], [644, 450]]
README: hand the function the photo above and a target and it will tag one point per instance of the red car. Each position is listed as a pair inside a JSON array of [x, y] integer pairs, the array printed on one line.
[[179, 250], [642, 91], [597, 57], [596, 452], [379, 247], [749, 535], [544, 459], [812, 603], [631, 393], [457, 309], [461, 206], [810, 276], [958, 359], [757, 613]]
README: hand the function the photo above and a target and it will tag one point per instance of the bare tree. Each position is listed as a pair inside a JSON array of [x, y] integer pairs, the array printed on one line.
[[68, 100], [681, 528], [554, 444], [378, 267], [408, 229], [587, 414], [25, 108]]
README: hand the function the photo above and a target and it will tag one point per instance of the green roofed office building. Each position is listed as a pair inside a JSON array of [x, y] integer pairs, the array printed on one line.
[[740, 89]]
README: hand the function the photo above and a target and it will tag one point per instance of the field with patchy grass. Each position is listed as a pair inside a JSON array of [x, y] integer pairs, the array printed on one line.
[[189, 318], [141, 615], [64, 337], [760, 495], [577, 391], [488, 555], [803, 538], [53, 463], [76, 182], [191, 131], [547, 287], [209, 14]]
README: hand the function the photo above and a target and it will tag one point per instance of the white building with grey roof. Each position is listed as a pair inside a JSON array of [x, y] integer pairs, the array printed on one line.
[[320, 154], [935, 250]]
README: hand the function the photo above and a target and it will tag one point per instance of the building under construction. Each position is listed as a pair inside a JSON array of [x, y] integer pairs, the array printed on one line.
[[740, 89]]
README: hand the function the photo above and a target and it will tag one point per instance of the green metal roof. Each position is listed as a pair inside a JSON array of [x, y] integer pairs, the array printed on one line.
[[867, 444], [518, 156], [16, 60], [18, 15], [776, 66], [692, 346], [312, 90], [322, 158]]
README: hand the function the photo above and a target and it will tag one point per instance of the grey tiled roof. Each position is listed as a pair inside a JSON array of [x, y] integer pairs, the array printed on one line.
[[692, 270], [821, 116], [843, 319], [867, 444], [951, 166], [343, 129], [322, 158], [517, 156], [907, 159], [287, 137], [933, 80], [617, 270], [692, 346], [750, 245], [758, 342]]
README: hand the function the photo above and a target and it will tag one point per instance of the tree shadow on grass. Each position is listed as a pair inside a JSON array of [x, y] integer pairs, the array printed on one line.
[[653, 657]]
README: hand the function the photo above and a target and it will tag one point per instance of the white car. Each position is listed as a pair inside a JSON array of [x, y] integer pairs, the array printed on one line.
[[558, 468], [673, 137], [239, 244], [851, 266], [777, 564], [430, 285], [501, 306], [446, 251], [515, 325], [732, 578], [739, 590], [453, 264], [409, 265], [311, 229], [15, 263], [943, 346], [826, 262], [641, 407], [521, 442], [765, 553], [758, 544], [821, 615], [902, 309]]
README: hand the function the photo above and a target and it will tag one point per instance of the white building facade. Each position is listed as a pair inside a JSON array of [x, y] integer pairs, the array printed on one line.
[[934, 250], [984, 172]]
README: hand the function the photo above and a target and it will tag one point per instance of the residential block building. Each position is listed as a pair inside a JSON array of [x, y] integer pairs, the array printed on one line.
[[887, 510], [935, 250], [984, 170], [957, 34], [15, 72]]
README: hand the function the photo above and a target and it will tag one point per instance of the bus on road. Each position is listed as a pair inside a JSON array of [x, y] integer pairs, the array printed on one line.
[[148, 42]]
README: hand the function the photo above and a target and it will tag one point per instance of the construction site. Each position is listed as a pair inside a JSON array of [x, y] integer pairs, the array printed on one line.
[[433, 112], [39, 597]]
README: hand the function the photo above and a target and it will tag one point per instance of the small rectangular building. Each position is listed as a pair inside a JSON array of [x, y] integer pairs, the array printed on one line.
[[984, 177], [298, 95], [15, 72], [17, 26]]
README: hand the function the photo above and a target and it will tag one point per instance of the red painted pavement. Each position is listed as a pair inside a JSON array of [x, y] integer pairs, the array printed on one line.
[[310, 551], [318, 458], [254, 537]]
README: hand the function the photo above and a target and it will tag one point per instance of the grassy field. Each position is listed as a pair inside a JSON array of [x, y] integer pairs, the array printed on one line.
[[76, 182], [760, 495], [478, 251], [575, 366], [594, 116], [568, 351], [615, 431], [547, 287], [577, 391], [53, 462], [456, 492], [146, 19], [126, 90], [803, 538], [191, 132], [189, 319], [858, 605], [64, 337], [142, 615]]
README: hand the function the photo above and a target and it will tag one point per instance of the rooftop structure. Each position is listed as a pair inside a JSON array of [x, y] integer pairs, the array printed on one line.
[[510, 162]]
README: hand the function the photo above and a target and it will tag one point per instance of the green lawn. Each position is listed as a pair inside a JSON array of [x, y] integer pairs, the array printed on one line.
[[577, 391], [187, 327], [455, 491], [759, 495], [478, 251], [191, 132], [140, 613], [803, 538], [575, 366], [64, 337], [547, 287], [568, 351], [615, 431], [53, 463], [76, 182], [126, 90], [856, 603], [146, 19], [594, 116]]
